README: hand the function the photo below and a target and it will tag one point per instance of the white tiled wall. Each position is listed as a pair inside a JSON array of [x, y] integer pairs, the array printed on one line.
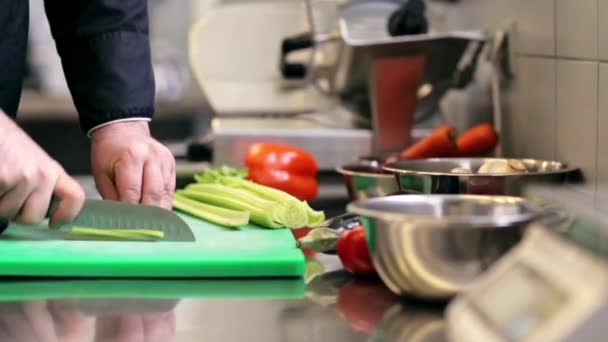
[[602, 13], [576, 109], [602, 143], [535, 91], [576, 28], [535, 24], [559, 106]]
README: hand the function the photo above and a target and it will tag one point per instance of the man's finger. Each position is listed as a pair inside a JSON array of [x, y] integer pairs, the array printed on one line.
[[129, 176], [36, 205], [153, 189], [12, 201], [169, 183], [71, 198], [106, 187]]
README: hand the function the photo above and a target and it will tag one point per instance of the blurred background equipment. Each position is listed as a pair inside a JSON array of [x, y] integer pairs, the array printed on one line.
[[342, 78]]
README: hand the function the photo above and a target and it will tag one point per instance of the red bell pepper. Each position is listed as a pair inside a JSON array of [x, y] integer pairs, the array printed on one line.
[[287, 168]]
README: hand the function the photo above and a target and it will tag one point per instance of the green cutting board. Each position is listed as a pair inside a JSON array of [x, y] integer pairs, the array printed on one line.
[[258, 288], [217, 252]]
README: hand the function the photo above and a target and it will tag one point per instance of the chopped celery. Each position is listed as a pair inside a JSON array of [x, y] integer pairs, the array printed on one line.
[[220, 215], [294, 211], [265, 213], [87, 233], [213, 175], [261, 190], [315, 218], [268, 206]]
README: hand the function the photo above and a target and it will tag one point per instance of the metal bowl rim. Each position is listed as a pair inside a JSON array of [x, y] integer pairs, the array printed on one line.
[[463, 222], [392, 167], [343, 170]]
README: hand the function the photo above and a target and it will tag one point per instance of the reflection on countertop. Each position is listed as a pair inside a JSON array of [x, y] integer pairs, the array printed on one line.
[[333, 306]]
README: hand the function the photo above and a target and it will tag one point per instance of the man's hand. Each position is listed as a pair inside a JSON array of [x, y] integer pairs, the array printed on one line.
[[29, 178], [131, 166]]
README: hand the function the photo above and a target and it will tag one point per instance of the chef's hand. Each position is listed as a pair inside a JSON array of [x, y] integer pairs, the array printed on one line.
[[131, 166], [29, 177]]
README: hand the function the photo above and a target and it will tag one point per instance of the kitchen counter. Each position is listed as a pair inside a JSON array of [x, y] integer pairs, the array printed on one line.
[[328, 305], [333, 306]]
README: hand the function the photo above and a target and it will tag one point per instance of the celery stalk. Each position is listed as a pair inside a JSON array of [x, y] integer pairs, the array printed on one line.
[[285, 209], [264, 213], [294, 213], [88, 233], [315, 218], [222, 216]]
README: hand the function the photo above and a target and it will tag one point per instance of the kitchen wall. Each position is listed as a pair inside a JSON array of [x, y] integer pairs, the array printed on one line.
[[557, 104]]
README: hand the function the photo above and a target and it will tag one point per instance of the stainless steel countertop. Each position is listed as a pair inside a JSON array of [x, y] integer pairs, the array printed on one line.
[[331, 306], [336, 307]]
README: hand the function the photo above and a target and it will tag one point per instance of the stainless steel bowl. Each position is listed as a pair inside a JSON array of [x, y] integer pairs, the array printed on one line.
[[433, 176], [434, 246], [366, 180]]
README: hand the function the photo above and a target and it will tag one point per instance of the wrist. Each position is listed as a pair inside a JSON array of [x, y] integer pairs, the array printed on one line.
[[114, 122], [121, 128]]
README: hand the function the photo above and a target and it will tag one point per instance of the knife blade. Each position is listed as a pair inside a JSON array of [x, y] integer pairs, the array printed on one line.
[[119, 215], [104, 214]]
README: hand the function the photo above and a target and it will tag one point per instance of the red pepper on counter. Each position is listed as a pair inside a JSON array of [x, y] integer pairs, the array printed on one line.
[[284, 167], [440, 143], [479, 141]]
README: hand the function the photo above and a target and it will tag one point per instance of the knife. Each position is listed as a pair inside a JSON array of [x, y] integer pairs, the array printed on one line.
[[104, 214]]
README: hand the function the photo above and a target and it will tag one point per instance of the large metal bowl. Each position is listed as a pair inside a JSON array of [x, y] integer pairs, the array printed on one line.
[[433, 176], [434, 246], [366, 180]]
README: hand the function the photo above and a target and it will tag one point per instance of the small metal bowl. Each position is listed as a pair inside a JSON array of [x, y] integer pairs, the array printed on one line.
[[433, 176], [434, 246], [366, 180]]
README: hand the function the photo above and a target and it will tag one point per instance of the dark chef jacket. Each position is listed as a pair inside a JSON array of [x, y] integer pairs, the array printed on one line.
[[105, 53]]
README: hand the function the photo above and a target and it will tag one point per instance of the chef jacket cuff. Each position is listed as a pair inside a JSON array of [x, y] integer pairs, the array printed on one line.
[[90, 132]]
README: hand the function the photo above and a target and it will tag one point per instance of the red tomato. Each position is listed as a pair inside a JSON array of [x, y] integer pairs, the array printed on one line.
[[304, 188], [354, 253]]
